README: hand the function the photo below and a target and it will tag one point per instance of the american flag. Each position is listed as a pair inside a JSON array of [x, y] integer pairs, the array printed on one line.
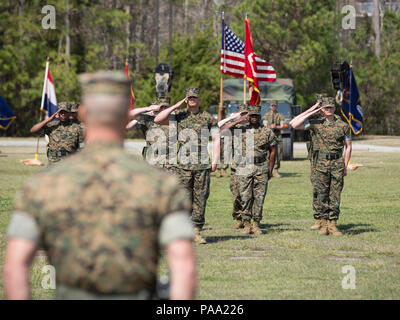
[[232, 58]]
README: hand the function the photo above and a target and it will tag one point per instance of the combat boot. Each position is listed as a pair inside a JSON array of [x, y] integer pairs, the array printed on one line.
[[239, 224], [197, 237], [247, 227], [324, 227], [317, 224], [332, 228], [275, 173], [255, 228], [219, 173]]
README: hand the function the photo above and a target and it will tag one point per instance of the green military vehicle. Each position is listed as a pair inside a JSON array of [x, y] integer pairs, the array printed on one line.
[[282, 90]]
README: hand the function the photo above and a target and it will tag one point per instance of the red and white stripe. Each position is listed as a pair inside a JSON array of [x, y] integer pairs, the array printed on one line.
[[232, 64]]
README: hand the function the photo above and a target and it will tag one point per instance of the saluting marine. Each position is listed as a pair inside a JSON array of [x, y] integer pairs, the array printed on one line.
[[329, 135], [254, 158], [157, 150], [62, 140], [193, 162]]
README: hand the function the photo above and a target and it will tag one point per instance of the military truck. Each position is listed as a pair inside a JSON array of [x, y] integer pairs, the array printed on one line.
[[282, 90]]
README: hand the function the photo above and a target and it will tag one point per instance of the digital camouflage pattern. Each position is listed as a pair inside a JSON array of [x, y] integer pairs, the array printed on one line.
[[65, 106], [192, 146], [74, 107], [193, 92], [194, 163], [250, 181], [100, 227], [197, 184], [64, 140], [327, 165], [277, 119], [157, 151]]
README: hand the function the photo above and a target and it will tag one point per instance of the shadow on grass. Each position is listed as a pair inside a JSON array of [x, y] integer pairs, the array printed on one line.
[[214, 239], [354, 229], [288, 174], [277, 227]]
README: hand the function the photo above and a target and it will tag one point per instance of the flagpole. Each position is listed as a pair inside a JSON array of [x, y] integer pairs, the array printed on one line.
[[244, 76], [42, 105], [221, 85]]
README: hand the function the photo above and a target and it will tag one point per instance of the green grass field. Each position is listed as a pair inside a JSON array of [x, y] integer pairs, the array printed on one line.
[[289, 261]]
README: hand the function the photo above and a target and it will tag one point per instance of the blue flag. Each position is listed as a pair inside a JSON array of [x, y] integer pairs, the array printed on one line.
[[6, 114], [351, 105]]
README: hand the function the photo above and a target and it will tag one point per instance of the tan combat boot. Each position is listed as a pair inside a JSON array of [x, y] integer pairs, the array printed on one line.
[[317, 224], [255, 228], [247, 227], [324, 227], [239, 224], [275, 173], [197, 237], [332, 228]]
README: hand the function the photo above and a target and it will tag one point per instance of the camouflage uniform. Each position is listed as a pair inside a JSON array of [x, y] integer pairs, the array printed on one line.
[[237, 201], [63, 139], [157, 137], [223, 164], [328, 164], [252, 180], [277, 119], [194, 166], [108, 214], [317, 118], [76, 125]]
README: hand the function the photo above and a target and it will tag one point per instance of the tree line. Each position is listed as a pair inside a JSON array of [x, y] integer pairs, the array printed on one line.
[[301, 39]]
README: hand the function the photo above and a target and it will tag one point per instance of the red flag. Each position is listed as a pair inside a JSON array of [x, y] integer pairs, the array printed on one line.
[[132, 99], [250, 67]]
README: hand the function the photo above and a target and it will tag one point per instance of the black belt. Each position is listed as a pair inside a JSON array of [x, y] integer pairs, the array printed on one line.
[[329, 156], [257, 160]]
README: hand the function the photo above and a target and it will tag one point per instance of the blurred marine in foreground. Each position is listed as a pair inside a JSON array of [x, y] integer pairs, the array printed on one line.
[[108, 216]]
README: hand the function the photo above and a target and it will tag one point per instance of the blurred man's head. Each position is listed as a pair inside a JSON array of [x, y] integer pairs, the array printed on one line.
[[105, 99]]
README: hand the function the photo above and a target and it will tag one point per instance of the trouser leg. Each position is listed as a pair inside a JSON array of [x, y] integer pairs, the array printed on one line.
[[201, 191], [321, 193], [237, 208], [245, 186], [260, 187], [336, 187]]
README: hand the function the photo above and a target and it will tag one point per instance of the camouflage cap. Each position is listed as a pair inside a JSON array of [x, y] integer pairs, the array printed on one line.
[[242, 108], [254, 110], [105, 82], [64, 106], [320, 96], [273, 103], [193, 92], [74, 106], [163, 102], [328, 102]]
